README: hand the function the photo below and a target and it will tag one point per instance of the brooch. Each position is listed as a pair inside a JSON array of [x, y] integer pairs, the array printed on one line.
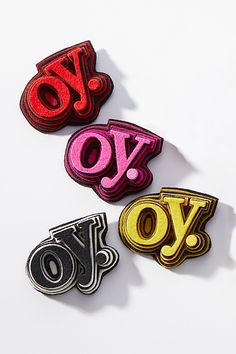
[[169, 225], [75, 254], [112, 158], [66, 90]]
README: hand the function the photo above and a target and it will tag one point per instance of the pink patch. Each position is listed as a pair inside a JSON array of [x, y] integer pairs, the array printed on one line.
[[112, 158]]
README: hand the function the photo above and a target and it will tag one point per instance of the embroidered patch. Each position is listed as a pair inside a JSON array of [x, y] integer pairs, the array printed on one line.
[[75, 254], [66, 90], [169, 225], [112, 158]]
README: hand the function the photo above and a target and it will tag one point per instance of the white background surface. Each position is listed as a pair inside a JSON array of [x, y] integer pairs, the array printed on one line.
[[173, 64]]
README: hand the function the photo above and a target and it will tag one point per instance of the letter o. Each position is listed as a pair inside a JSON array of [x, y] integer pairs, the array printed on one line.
[[43, 277], [75, 153], [40, 106], [132, 227]]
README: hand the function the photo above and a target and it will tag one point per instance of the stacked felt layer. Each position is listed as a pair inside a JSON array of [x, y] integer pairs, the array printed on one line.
[[76, 254], [66, 90], [112, 158], [169, 225]]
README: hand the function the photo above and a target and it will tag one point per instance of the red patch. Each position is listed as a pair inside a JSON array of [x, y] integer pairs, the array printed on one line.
[[66, 90]]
